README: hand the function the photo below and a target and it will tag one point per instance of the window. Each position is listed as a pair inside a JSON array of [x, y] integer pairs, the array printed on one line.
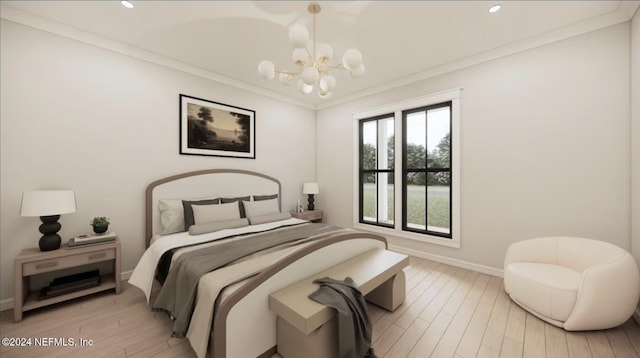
[[423, 162], [426, 170], [377, 170]]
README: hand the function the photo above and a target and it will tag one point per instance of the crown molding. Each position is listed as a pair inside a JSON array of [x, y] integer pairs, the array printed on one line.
[[28, 19], [629, 7], [624, 13]]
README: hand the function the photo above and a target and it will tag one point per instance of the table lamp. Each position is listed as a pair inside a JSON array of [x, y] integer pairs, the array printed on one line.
[[48, 205], [310, 189]]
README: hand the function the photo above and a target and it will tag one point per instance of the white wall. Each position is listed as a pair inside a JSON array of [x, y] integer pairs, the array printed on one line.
[[106, 125], [635, 137], [545, 146]]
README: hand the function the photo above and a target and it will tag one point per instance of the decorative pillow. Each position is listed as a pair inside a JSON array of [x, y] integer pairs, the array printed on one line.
[[239, 200], [217, 226], [268, 218], [203, 214], [171, 216], [188, 210], [260, 208], [264, 197]]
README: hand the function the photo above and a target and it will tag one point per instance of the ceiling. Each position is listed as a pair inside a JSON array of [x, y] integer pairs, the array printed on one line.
[[398, 39]]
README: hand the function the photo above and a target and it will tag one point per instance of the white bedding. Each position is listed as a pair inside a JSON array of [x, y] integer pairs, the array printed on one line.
[[143, 274], [212, 291]]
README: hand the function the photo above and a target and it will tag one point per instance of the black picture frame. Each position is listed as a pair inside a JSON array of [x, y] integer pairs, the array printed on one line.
[[216, 129]]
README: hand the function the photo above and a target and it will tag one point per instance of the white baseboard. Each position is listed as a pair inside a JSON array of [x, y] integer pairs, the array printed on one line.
[[124, 276], [449, 261], [7, 303]]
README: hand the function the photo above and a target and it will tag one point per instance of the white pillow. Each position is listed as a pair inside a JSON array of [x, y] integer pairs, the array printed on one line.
[[260, 208], [172, 215], [203, 214]]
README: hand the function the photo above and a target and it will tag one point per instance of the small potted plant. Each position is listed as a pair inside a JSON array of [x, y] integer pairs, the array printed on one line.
[[100, 224]]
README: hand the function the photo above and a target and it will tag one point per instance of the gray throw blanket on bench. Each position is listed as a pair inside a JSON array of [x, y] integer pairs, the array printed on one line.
[[354, 327], [177, 295]]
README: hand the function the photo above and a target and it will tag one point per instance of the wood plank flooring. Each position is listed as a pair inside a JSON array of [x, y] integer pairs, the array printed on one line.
[[448, 312]]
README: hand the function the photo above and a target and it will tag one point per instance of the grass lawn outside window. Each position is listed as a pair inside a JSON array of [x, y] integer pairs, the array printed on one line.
[[438, 210]]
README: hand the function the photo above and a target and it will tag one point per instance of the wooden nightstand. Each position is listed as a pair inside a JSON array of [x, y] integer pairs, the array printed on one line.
[[311, 215], [31, 262]]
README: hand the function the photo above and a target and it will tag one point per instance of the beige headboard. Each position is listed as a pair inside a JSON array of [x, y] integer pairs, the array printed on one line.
[[205, 183]]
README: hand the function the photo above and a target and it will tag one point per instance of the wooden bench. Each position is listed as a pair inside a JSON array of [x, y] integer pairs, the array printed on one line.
[[306, 328]]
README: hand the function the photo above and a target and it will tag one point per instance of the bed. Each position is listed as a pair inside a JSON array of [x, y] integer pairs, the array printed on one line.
[[236, 316]]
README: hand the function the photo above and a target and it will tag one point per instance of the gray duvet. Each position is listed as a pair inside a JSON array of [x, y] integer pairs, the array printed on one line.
[[177, 295]]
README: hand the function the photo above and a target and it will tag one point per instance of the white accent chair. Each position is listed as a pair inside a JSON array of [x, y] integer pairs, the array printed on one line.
[[573, 283]]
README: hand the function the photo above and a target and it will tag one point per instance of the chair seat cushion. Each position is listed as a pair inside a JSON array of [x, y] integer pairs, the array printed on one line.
[[547, 289]]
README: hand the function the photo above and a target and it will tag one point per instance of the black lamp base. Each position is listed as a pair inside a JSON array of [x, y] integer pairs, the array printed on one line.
[[311, 200], [50, 239]]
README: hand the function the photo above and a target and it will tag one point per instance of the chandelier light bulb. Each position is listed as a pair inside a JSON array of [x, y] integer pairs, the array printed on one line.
[[357, 72], [266, 70], [352, 59], [327, 83], [304, 88], [324, 95], [285, 78], [300, 56], [324, 53], [310, 75], [299, 36]]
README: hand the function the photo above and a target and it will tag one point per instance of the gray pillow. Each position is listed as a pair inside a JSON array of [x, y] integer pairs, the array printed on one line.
[[264, 197], [260, 208], [217, 226], [188, 211], [239, 200], [269, 218], [203, 214]]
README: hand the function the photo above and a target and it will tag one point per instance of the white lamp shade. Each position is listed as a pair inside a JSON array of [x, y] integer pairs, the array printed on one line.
[[303, 87], [310, 75], [285, 78], [324, 52], [352, 59], [357, 72], [324, 95], [266, 70], [298, 36], [300, 56], [48, 202], [327, 83], [310, 188]]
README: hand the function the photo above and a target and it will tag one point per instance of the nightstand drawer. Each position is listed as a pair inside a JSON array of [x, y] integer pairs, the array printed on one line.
[[37, 267], [312, 215]]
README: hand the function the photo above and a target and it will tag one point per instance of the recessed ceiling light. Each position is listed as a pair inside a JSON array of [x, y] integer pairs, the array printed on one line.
[[495, 8], [126, 3]]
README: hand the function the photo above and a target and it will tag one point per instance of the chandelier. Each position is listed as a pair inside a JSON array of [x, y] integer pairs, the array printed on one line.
[[314, 63]]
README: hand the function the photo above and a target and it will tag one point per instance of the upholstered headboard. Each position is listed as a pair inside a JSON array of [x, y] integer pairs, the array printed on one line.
[[205, 183]]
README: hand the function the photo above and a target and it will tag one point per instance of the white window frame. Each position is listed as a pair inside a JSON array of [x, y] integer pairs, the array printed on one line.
[[454, 96]]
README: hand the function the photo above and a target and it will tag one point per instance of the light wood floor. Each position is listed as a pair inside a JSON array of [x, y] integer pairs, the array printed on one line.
[[449, 312]]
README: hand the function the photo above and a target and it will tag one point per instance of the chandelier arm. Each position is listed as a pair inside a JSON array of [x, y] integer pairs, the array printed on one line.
[[314, 41], [335, 67], [287, 72], [308, 52]]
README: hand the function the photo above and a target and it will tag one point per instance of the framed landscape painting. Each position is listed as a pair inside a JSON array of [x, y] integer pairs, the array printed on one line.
[[217, 129]]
